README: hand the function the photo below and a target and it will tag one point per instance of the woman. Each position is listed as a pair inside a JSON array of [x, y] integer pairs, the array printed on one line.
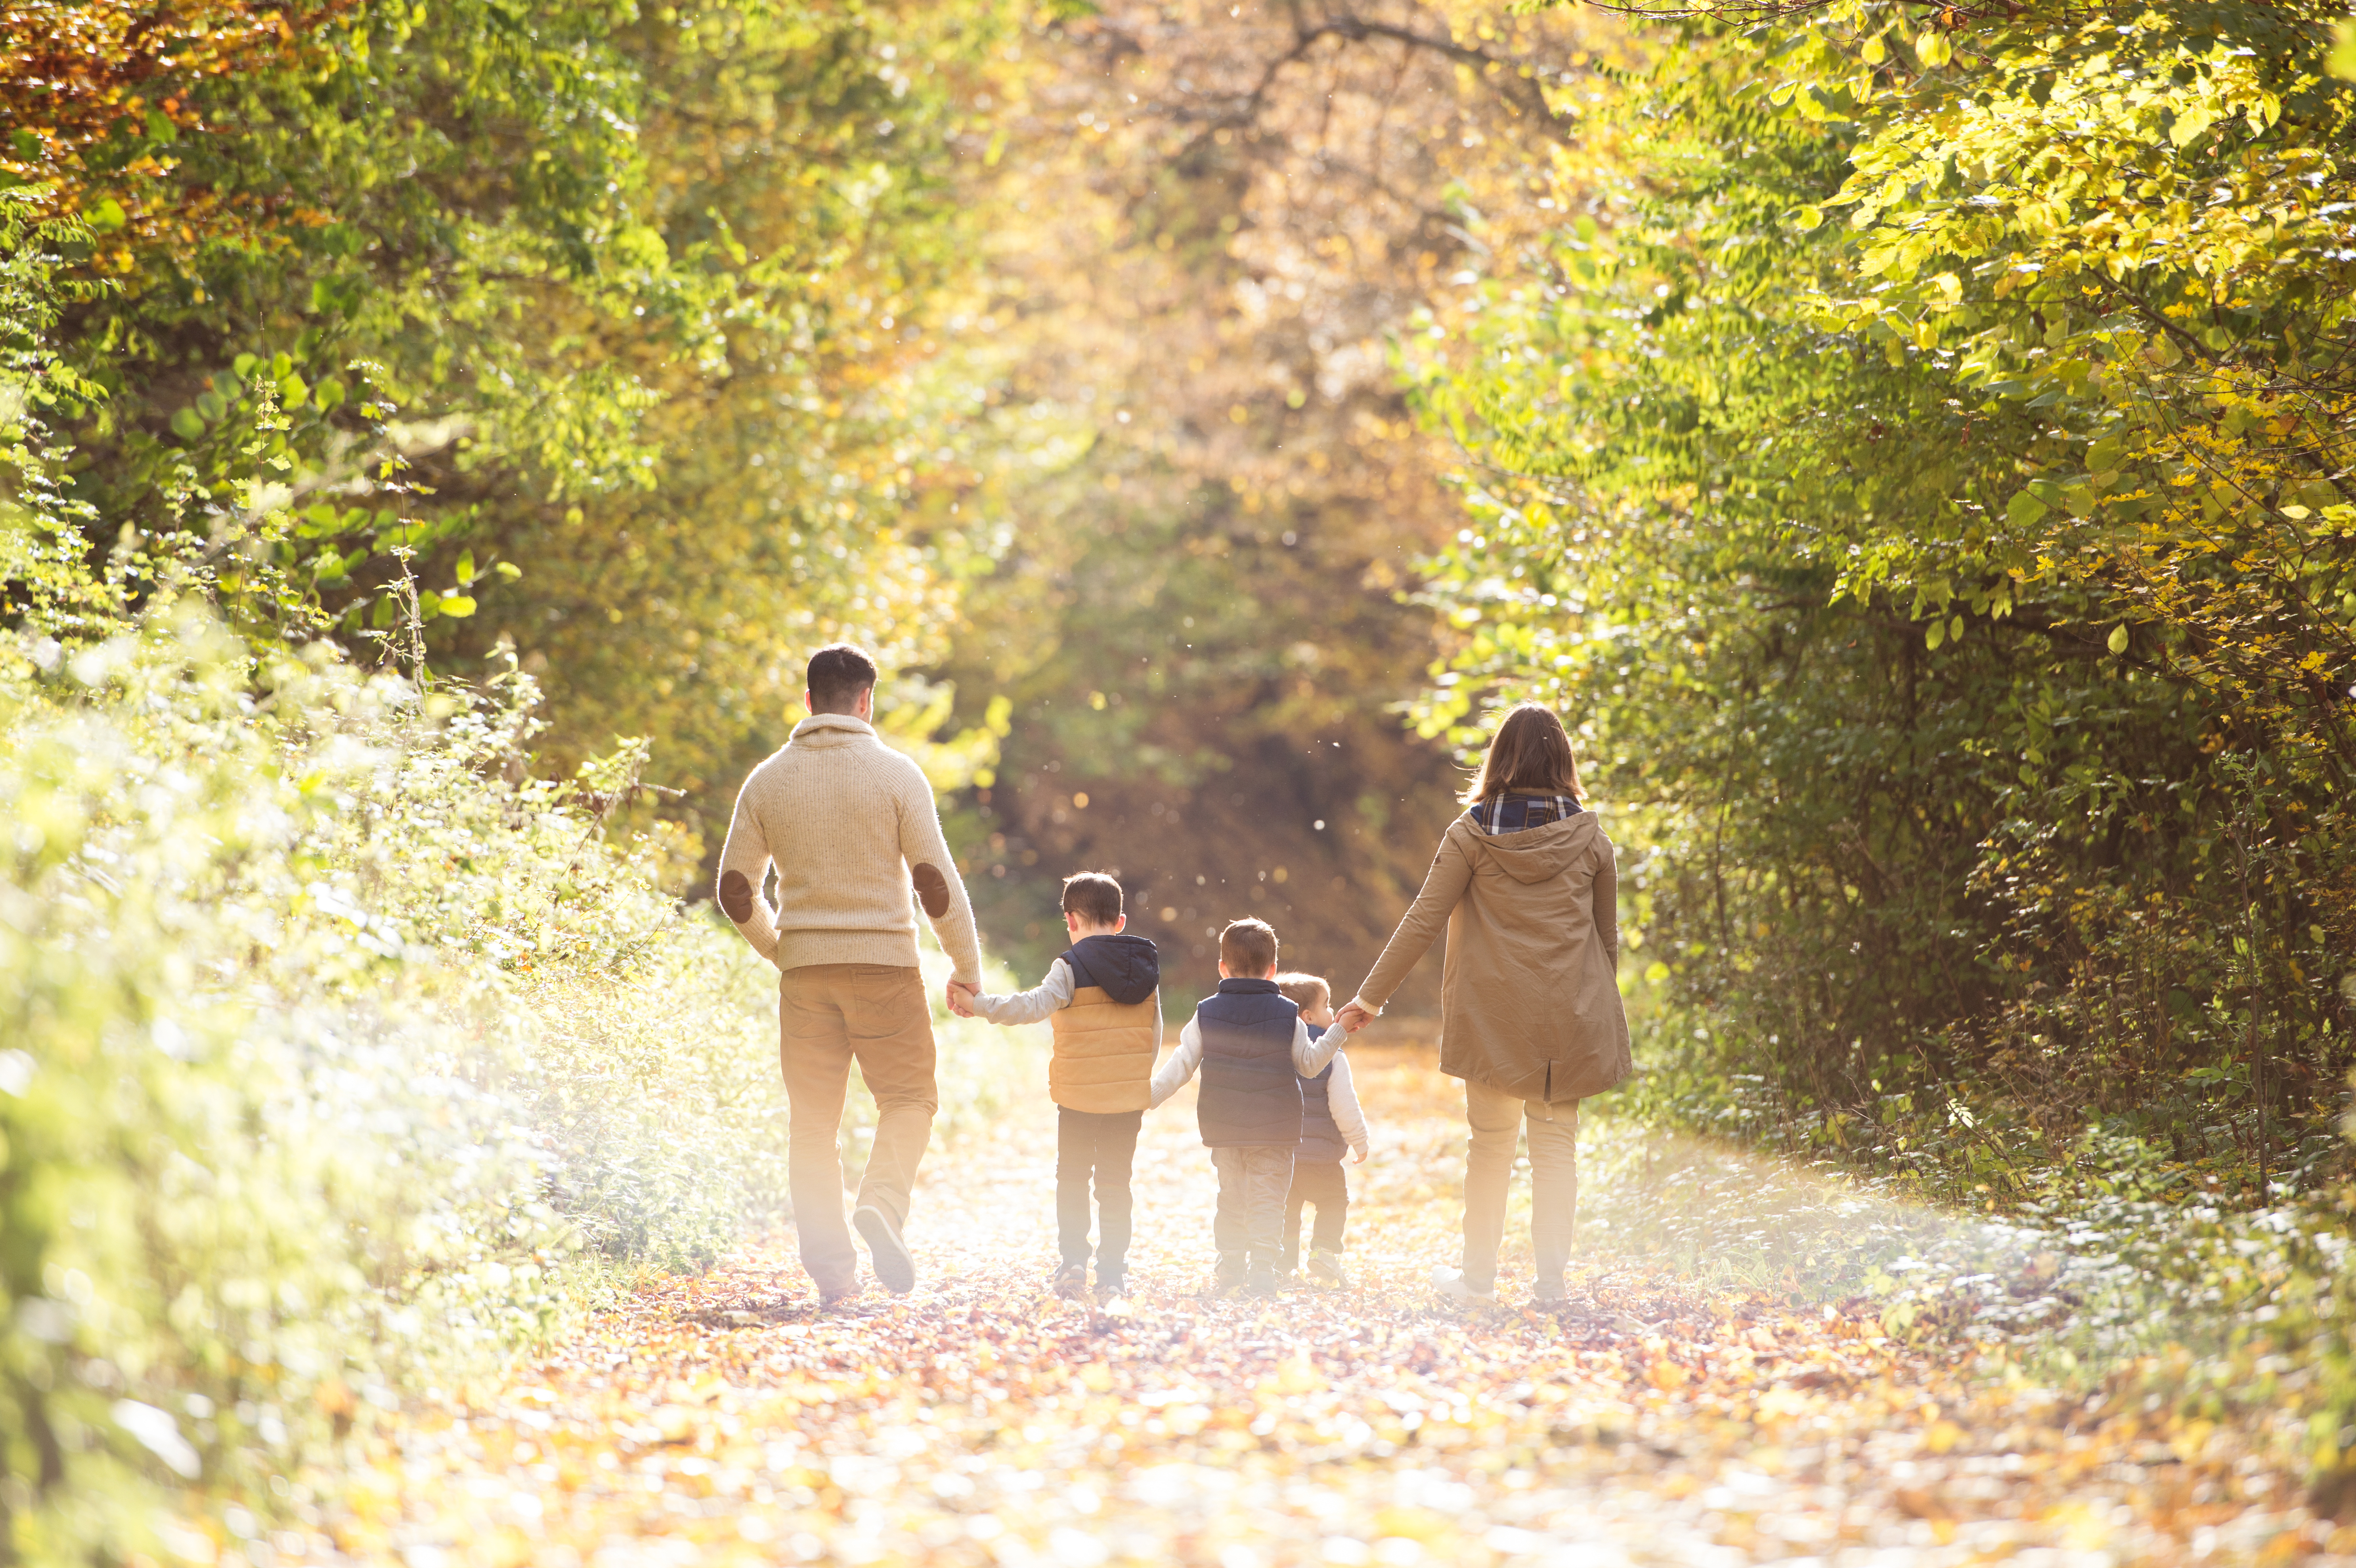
[[1529, 1008]]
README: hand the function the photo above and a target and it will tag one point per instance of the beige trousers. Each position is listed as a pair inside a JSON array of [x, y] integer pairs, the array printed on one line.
[[1248, 1226], [1497, 1120], [829, 1015]]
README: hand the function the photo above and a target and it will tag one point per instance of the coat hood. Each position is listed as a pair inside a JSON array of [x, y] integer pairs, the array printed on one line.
[[831, 730], [1533, 854], [1128, 969]]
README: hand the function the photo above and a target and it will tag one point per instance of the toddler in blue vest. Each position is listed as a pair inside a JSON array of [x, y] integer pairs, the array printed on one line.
[[1331, 1122], [1253, 1048]]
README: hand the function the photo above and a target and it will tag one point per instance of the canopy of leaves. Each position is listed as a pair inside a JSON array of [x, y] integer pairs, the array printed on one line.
[[622, 300], [96, 97], [1212, 229], [1923, 466]]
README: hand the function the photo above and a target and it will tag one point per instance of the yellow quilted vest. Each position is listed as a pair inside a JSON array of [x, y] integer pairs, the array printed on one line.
[[1104, 1052]]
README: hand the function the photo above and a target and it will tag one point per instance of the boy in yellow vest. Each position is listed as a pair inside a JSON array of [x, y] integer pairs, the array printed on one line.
[[1103, 998]]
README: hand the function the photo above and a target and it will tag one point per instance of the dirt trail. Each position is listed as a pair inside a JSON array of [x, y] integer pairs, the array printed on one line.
[[728, 1420]]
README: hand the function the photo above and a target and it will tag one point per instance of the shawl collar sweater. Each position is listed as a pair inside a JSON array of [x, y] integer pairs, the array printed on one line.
[[850, 827]]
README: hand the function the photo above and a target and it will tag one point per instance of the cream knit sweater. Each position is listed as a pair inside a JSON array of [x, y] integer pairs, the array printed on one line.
[[850, 826]]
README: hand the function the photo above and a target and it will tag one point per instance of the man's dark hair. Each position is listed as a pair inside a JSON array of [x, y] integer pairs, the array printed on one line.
[[839, 672], [1093, 896], [1247, 947]]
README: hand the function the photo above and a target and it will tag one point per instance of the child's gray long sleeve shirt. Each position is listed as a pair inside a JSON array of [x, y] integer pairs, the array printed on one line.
[[1040, 1001], [1310, 1052]]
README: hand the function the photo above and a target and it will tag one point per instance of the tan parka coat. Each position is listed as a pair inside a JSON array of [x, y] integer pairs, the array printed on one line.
[[1529, 1003]]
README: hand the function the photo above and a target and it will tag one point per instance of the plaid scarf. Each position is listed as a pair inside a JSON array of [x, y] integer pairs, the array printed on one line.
[[1512, 813]]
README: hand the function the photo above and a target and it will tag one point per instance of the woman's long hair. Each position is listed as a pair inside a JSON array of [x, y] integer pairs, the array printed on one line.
[[1531, 753]]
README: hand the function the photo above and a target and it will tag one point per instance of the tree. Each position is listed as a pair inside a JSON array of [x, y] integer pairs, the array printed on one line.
[[803, 486], [543, 326], [1946, 578], [97, 98], [1215, 228]]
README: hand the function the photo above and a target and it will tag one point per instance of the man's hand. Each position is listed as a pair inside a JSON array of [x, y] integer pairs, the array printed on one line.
[[956, 993], [1355, 1016]]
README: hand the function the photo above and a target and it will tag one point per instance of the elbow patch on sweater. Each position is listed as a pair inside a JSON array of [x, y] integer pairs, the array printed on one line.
[[736, 896], [932, 889]]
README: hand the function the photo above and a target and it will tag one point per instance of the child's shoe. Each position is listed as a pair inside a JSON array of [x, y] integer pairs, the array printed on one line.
[[1111, 1287], [1227, 1276], [1070, 1279], [1327, 1266], [1261, 1280]]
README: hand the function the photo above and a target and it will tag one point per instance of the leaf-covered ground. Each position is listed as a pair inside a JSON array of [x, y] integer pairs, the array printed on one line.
[[727, 1419]]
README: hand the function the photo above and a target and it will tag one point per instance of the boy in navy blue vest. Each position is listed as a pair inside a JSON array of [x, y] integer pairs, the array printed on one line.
[[1253, 1048], [1331, 1124]]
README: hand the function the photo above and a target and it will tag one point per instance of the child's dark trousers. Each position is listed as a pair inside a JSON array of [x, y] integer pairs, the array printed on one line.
[[1322, 1183], [1097, 1146]]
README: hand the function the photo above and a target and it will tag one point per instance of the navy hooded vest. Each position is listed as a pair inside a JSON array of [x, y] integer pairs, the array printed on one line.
[[1127, 968], [1251, 1097], [1321, 1135]]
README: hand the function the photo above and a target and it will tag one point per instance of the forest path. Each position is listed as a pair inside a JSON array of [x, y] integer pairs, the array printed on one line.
[[726, 1419]]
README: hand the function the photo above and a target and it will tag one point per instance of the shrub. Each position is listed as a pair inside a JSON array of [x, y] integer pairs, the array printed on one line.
[[339, 1049]]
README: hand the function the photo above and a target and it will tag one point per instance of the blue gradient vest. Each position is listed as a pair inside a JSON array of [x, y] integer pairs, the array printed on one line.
[[1251, 1097], [1321, 1135]]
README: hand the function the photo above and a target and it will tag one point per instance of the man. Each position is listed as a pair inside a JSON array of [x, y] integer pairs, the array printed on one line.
[[851, 828]]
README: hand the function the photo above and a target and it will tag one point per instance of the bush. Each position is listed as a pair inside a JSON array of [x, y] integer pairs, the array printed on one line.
[[339, 1051]]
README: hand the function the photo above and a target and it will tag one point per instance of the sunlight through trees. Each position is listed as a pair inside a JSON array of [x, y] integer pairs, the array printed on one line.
[[1913, 447]]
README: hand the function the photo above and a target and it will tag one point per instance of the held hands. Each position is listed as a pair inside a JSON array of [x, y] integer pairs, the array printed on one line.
[[956, 993], [1355, 1016]]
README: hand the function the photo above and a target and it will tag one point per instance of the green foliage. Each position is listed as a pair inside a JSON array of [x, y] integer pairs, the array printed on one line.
[[1921, 466], [341, 1047], [1210, 483], [2140, 233], [43, 574], [1950, 586], [503, 323], [802, 490], [339, 1052]]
